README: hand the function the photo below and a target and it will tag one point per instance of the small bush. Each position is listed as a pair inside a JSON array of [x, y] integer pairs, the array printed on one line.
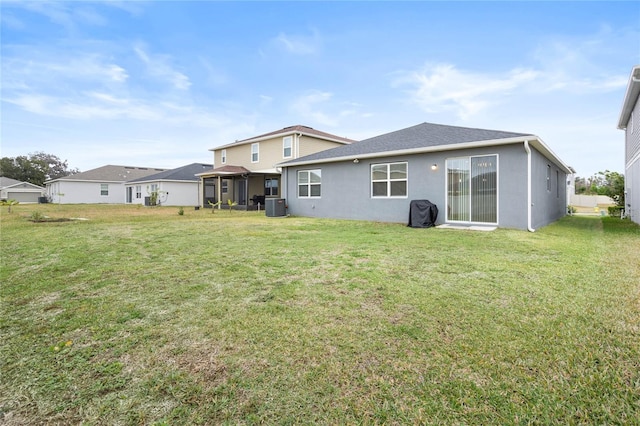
[[615, 211], [181, 211], [37, 217]]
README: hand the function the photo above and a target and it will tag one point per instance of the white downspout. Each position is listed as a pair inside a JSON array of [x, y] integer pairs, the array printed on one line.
[[529, 204]]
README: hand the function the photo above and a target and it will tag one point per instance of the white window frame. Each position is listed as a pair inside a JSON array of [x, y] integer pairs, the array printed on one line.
[[287, 143], [223, 156], [389, 180], [548, 177], [308, 183], [138, 192], [104, 189], [446, 186], [255, 152]]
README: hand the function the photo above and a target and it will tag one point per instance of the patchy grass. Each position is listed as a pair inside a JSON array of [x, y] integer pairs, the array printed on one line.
[[142, 316]]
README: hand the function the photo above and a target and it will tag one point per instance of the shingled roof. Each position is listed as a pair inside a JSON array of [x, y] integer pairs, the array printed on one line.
[[421, 136], [298, 129], [111, 173], [184, 173]]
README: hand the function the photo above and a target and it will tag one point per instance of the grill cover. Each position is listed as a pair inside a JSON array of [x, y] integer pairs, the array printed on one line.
[[422, 214]]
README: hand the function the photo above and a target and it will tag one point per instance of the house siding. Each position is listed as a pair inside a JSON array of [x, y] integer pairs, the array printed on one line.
[[85, 192], [346, 188], [177, 193], [271, 151], [548, 205], [632, 164]]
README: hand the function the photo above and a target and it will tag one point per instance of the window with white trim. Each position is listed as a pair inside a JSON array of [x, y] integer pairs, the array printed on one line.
[[225, 186], [389, 180], [255, 152], [472, 189], [309, 183], [548, 177], [223, 156], [138, 191], [104, 189], [287, 143]]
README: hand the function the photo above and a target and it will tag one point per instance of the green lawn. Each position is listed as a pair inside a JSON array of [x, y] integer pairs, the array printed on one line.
[[144, 316]]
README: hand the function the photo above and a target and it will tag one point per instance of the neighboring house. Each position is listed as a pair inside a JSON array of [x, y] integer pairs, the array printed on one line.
[[23, 192], [474, 176], [104, 185], [630, 123], [245, 171], [177, 187]]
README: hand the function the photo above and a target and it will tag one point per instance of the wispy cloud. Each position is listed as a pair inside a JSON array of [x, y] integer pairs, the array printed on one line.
[[160, 67], [440, 87], [299, 44], [69, 15], [310, 105]]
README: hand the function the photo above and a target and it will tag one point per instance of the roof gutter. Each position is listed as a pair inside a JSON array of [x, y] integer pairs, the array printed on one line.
[[631, 96], [527, 148]]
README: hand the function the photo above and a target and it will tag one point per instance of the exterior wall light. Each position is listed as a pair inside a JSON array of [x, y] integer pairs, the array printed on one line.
[[356, 161], [434, 166]]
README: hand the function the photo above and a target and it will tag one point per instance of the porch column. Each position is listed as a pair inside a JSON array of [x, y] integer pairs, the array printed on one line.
[[219, 190]]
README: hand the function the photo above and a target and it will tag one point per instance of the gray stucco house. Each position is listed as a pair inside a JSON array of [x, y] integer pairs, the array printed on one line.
[[630, 123], [474, 176]]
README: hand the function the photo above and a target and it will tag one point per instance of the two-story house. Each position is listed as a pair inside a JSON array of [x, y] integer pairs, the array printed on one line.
[[245, 171], [630, 123]]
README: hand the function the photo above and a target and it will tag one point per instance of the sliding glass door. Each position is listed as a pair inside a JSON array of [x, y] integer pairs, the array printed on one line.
[[472, 189]]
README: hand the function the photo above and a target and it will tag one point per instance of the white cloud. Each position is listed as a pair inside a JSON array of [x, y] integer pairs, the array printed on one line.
[[159, 67], [309, 107], [444, 87], [299, 44]]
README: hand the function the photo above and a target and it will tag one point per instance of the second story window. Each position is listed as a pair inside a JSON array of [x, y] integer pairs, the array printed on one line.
[[255, 152], [223, 156], [287, 141]]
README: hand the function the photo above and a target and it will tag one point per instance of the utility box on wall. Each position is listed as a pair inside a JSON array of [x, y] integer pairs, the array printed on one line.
[[275, 207]]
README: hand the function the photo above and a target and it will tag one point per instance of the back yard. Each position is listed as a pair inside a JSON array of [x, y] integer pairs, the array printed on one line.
[[144, 316]]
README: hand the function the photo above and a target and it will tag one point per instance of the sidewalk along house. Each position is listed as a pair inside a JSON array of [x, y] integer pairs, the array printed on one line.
[[104, 185], [22, 192], [630, 123], [176, 187], [474, 177], [245, 171]]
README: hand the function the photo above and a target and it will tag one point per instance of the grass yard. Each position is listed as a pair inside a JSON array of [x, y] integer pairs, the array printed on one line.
[[143, 316]]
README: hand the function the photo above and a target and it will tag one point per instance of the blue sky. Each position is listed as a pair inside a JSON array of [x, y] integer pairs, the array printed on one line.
[[160, 83]]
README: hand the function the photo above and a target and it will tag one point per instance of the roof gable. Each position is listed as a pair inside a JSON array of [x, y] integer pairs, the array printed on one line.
[[297, 129], [6, 182]]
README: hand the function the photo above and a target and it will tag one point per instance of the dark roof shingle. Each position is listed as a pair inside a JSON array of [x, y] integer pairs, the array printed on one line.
[[420, 136], [186, 173], [111, 173]]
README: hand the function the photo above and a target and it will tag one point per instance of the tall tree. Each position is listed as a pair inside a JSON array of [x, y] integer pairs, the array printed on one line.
[[611, 184], [36, 168]]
